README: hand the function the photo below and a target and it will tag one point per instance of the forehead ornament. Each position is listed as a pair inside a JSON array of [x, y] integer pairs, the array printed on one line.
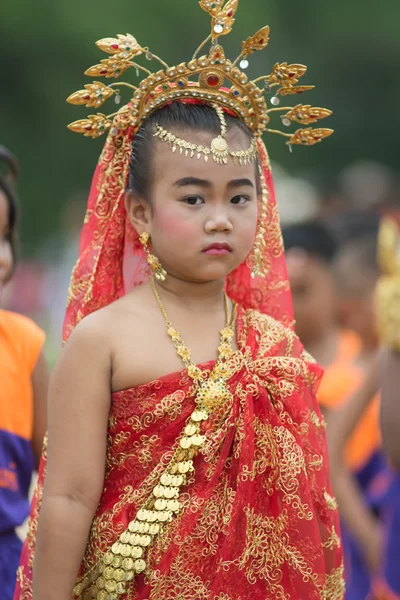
[[219, 149]]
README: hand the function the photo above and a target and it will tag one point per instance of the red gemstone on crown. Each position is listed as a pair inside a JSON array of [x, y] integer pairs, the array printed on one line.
[[217, 55], [115, 46], [230, 14], [213, 80], [86, 97], [261, 41]]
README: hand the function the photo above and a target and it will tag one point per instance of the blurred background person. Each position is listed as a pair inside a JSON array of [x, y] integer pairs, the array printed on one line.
[[388, 308], [333, 289], [23, 394], [359, 467], [310, 253], [374, 523]]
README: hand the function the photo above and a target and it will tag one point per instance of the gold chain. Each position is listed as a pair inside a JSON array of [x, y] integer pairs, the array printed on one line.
[[224, 349]]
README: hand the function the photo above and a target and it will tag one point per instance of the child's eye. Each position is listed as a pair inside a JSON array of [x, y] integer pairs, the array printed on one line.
[[194, 200], [240, 200]]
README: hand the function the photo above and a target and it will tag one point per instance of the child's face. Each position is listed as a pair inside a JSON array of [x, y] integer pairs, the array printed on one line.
[[314, 295], [5, 246], [195, 204]]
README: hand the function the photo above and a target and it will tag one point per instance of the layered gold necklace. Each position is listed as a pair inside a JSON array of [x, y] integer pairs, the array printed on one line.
[[220, 371], [127, 556]]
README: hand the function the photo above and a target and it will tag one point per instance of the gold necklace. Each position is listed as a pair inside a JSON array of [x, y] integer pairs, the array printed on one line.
[[224, 349]]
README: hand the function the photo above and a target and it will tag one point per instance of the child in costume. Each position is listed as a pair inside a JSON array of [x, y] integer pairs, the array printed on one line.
[[170, 472], [23, 395]]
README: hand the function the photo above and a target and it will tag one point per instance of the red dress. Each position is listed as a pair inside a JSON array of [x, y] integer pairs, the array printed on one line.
[[258, 518]]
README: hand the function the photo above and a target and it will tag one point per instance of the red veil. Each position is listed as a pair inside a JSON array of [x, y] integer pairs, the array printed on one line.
[[112, 261]]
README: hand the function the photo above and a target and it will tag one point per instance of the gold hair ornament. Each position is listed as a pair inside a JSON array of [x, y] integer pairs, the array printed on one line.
[[211, 78], [219, 148], [388, 288]]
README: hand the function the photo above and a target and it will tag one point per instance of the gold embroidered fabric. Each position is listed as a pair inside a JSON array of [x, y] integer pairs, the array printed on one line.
[[257, 519]]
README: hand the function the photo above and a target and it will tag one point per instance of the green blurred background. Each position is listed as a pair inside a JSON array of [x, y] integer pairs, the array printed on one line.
[[352, 50]]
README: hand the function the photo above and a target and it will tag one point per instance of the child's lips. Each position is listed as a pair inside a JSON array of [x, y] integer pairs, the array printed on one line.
[[218, 249]]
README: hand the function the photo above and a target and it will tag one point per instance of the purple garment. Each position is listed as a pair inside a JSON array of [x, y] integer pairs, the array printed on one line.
[[375, 480], [10, 550]]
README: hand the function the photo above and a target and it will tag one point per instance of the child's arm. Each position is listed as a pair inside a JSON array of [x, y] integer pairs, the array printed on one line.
[[79, 403], [40, 385], [356, 515], [390, 407]]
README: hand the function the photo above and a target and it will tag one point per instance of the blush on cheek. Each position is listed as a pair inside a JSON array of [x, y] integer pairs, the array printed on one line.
[[173, 226]]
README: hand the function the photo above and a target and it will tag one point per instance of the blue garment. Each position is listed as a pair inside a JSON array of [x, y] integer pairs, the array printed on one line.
[[10, 550], [375, 480], [391, 519], [16, 468]]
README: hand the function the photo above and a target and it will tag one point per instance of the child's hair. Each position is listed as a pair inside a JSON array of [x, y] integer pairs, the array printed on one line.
[[311, 237], [175, 117], [8, 177]]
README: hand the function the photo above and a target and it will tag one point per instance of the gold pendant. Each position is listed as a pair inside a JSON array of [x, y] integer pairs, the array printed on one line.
[[213, 393]]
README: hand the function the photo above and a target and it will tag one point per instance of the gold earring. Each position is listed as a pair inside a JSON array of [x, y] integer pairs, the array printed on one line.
[[153, 262]]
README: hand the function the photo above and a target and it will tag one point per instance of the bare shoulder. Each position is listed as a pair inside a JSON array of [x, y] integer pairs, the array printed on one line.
[[88, 349], [91, 333]]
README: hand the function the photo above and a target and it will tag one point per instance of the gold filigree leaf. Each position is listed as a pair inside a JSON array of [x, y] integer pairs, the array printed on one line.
[[123, 43], [223, 22], [94, 94], [309, 136], [94, 126], [213, 7], [230, 8], [293, 90], [217, 53], [290, 74], [258, 41], [109, 67], [306, 114]]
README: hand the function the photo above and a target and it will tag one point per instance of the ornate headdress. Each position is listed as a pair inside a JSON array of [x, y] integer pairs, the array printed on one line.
[[212, 78], [112, 260]]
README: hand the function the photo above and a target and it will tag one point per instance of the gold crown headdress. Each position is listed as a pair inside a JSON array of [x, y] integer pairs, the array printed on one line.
[[211, 78]]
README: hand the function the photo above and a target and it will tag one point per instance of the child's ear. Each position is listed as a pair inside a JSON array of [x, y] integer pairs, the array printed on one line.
[[138, 211]]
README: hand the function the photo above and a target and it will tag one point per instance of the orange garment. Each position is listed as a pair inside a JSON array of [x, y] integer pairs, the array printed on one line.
[[341, 379], [20, 344]]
